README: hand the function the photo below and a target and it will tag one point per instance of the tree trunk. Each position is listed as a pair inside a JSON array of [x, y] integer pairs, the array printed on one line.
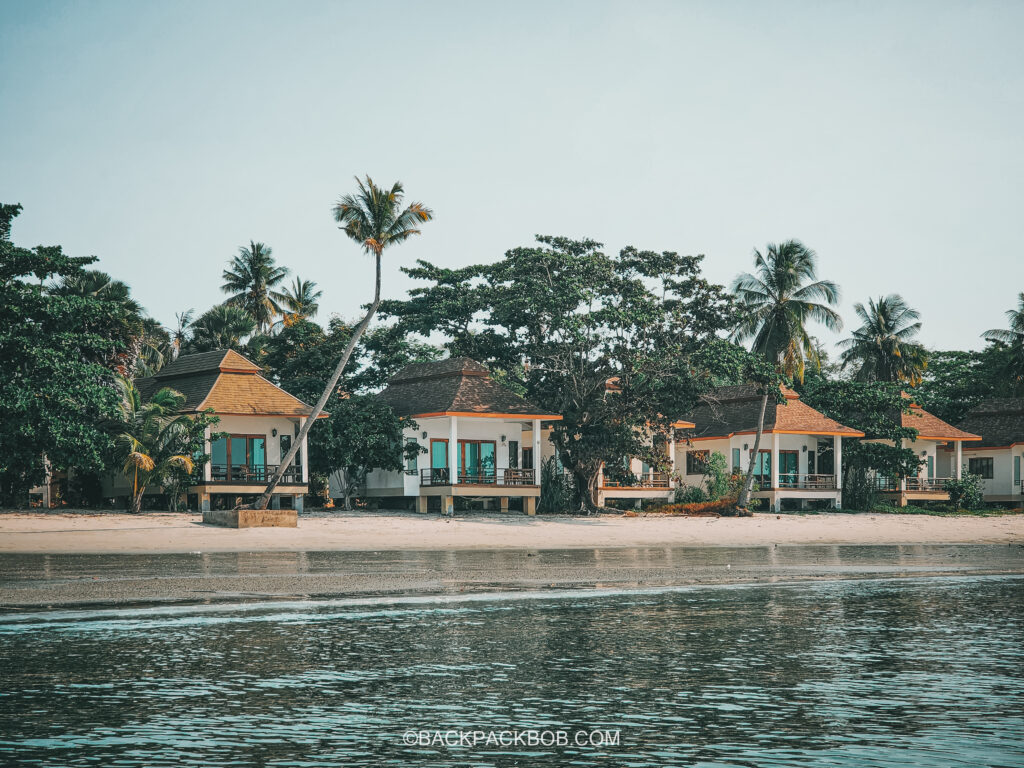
[[348, 490], [586, 484], [289, 457], [136, 503], [748, 482]]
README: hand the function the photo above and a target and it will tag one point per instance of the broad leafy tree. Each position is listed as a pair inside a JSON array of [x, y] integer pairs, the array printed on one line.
[[610, 342], [377, 219], [884, 348], [56, 354], [252, 280], [778, 301]]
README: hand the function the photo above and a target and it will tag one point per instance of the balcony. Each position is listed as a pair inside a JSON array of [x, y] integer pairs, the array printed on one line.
[[660, 480], [808, 482], [258, 475], [502, 477], [915, 484]]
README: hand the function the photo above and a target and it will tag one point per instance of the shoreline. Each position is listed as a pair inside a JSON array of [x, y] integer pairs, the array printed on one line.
[[48, 581], [118, 533]]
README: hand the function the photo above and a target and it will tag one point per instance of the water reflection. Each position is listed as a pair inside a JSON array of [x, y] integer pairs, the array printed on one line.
[[923, 672]]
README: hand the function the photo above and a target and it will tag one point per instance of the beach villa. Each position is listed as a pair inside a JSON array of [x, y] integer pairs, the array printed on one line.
[[638, 480], [261, 421], [935, 438], [998, 454], [469, 430], [801, 452]]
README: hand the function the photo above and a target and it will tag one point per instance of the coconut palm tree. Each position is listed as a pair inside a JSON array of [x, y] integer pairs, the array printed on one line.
[[182, 332], [224, 326], [374, 218], [100, 285], [301, 299], [778, 300], [884, 344], [151, 437], [250, 279], [1013, 338]]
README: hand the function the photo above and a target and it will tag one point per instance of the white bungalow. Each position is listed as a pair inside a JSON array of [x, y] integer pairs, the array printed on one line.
[[261, 421], [470, 431], [999, 453], [639, 480], [936, 439], [801, 452]]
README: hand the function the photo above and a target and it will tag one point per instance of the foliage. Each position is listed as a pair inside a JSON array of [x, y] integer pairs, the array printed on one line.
[[862, 459], [966, 492], [872, 407], [723, 507], [718, 479], [223, 326], [56, 353], [612, 343], [155, 443], [779, 299], [689, 494], [956, 381], [251, 279], [1012, 339], [301, 300], [884, 346], [557, 490]]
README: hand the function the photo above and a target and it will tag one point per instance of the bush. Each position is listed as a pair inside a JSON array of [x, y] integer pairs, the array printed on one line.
[[965, 492], [557, 490], [690, 494]]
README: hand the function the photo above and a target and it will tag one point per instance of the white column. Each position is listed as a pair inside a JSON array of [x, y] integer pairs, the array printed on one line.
[[453, 450], [672, 456], [837, 460], [536, 451], [208, 450], [304, 454], [775, 460], [958, 464]]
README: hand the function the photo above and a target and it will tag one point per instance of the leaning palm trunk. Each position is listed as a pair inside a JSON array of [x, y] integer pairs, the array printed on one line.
[[288, 458], [748, 481]]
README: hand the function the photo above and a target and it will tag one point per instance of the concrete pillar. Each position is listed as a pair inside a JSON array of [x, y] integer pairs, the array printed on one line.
[[208, 450], [447, 505], [958, 463], [504, 503], [530, 505], [304, 454], [775, 460], [421, 504], [837, 460], [453, 451], [275, 501], [204, 502], [536, 451], [300, 499], [672, 457]]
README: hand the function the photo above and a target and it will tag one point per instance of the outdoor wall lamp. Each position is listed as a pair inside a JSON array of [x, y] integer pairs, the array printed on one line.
[[744, 446], [924, 453], [423, 435], [805, 449], [273, 433], [502, 439]]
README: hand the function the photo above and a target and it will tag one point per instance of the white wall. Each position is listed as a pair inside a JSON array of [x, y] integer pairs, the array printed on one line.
[[1001, 483], [725, 446]]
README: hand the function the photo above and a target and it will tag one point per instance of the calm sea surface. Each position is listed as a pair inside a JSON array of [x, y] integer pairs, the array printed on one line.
[[924, 672]]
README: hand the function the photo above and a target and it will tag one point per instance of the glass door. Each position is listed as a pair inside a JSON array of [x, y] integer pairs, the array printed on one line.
[[439, 461], [258, 458], [789, 467], [238, 458]]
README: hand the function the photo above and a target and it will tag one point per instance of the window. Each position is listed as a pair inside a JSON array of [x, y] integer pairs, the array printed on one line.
[[736, 468], [239, 458], [982, 467], [527, 458], [1016, 470], [513, 454], [931, 467], [696, 462], [412, 462], [812, 454], [286, 444]]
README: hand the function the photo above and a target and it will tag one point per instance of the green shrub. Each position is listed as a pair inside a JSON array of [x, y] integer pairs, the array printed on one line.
[[965, 492], [690, 494], [557, 489]]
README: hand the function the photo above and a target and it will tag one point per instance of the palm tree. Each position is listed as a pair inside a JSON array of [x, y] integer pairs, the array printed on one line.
[[221, 327], [884, 344], [100, 285], [1013, 338], [182, 331], [778, 301], [250, 279], [375, 219], [151, 437], [156, 348], [301, 299]]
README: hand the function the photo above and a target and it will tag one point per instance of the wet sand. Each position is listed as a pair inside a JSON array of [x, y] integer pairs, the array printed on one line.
[[62, 532], [76, 580]]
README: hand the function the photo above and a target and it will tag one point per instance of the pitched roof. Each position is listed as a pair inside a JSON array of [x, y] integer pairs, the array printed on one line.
[[457, 386], [735, 410], [931, 427], [999, 421], [225, 381]]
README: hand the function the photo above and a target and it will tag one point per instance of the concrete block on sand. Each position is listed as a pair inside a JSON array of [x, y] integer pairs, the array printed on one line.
[[252, 518]]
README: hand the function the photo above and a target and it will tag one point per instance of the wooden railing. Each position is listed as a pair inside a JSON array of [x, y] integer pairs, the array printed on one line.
[[892, 484], [649, 480], [815, 482], [502, 477], [246, 475]]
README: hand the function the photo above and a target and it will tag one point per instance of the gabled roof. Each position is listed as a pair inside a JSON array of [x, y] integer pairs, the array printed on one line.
[[457, 386], [227, 382], [735, 410], [999, 421], [931, 427]]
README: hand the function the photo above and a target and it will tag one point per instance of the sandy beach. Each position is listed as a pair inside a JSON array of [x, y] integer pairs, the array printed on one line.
[[55, 533]]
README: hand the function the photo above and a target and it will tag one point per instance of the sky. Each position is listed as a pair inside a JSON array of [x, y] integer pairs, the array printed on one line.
[[888, 137]]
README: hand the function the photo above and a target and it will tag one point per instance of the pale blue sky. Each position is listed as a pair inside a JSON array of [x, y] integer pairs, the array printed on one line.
[[887, 136]]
